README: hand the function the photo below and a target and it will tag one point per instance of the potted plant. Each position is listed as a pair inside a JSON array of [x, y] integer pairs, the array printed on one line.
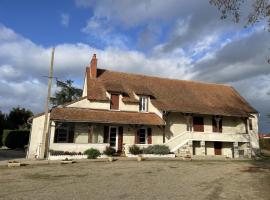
[[67, 161]]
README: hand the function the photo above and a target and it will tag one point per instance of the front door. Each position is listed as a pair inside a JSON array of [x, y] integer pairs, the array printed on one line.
[[218, 148], [113, 137]]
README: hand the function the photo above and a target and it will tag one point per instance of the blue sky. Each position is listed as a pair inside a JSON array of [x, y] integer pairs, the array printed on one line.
[[174, 38]]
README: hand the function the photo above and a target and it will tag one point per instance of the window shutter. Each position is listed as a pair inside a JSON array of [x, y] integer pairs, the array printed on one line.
[[120, 138], [137, 135], [214, 124], [71, 134], [106, 134], [149, 136]]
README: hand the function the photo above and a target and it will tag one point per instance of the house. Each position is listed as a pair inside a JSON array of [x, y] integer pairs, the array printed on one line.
[[121, 109]]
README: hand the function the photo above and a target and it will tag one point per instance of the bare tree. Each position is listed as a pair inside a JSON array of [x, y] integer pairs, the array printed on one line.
[[259, 10]]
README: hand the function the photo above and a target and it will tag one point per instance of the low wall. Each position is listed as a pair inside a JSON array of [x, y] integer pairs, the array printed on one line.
[[73, 147]]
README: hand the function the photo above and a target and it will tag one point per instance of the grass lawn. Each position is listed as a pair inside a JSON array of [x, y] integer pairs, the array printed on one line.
[[139, 180]]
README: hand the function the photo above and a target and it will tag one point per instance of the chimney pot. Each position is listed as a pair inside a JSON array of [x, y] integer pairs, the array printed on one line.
[[93, 67]]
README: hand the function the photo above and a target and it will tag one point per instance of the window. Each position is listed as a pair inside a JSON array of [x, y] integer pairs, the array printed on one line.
[[114, 102], [250, 124], [198, 125], [64, 133], [143, 107], [142, 136]]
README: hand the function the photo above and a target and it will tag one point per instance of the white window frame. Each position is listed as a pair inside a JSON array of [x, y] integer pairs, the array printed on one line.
[[146, 136], [144, 101], [116, 138]]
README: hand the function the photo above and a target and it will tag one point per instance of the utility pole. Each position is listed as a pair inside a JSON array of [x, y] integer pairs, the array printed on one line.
[[45, 137]]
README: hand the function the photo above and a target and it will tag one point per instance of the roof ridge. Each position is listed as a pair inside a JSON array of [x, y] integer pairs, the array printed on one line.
[[165, 78]]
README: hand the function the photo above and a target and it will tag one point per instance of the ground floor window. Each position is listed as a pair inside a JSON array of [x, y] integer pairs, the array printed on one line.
[[64, 133], [142, 136]]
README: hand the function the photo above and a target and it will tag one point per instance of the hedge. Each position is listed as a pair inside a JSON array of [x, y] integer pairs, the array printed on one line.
[[15, 138]]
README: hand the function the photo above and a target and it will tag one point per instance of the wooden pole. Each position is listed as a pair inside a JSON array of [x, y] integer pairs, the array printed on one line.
[[45, 128]]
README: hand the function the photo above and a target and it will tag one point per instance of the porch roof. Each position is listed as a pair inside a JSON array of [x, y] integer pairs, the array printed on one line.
[[105, 116]]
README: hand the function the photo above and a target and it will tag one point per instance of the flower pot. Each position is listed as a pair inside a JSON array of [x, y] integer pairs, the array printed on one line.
[[14, 164], [110, 159], [139, 158]]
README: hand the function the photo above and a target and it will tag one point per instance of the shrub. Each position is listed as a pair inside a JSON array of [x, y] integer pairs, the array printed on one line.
[[60, 153], [135, 150], [92, 153], [109, 151], [15, 138], [157, 149]]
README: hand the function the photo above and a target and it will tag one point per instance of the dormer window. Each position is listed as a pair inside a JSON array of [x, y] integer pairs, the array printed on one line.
[[143, 107], [114, 102]]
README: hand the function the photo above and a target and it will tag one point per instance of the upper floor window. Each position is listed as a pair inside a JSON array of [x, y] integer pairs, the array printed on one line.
[[250, 124], [143, 107], [114, 102]]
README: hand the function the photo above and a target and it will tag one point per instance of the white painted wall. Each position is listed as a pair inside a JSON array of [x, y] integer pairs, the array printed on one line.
[[36, 136]]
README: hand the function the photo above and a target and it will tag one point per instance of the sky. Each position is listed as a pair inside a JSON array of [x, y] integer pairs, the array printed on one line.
[[174, 38]]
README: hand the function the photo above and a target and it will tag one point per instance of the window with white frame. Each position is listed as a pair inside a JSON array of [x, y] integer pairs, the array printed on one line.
[[143, 107], [142, 136]]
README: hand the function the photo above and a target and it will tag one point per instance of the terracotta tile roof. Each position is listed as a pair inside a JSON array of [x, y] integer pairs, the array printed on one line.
[[172, 95], [105, 116]]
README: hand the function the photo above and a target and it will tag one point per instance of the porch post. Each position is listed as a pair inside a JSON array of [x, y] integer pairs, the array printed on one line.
[[188, 118], [203, 147], [235, 150]]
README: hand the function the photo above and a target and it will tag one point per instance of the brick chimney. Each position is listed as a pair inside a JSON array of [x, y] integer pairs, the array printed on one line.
[[93, 67]]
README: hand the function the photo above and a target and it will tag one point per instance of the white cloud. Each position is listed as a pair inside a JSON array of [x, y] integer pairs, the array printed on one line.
[[65, 19], [22, 72]]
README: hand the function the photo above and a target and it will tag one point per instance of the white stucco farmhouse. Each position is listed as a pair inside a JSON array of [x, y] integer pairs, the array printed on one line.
[[121, 109]]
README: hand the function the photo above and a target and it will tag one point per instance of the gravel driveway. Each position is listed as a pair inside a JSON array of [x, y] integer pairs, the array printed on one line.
[[138, 180]]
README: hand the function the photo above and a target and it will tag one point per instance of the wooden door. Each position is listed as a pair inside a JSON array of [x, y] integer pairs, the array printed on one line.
[[198, 125], [115, 101], [120, 139], [218, 148]]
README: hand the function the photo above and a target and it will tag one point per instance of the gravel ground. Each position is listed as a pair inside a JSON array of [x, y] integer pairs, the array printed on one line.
[[138, 180]]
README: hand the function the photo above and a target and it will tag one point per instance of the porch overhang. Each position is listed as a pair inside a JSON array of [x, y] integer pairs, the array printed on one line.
[[105, 116]]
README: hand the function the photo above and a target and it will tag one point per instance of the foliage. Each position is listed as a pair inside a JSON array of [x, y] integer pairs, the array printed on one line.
[[135, 150], [15, 138], [17, 118], [265, 143], [156, 149], [109, 151], [92, 153], [60, 153], [67, 93], [259, 10]]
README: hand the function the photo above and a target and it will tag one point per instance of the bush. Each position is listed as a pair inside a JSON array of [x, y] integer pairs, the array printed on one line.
[[135, 150], [15, 138], [109, 151], [157, 149], [92, 153], [60, 153]]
